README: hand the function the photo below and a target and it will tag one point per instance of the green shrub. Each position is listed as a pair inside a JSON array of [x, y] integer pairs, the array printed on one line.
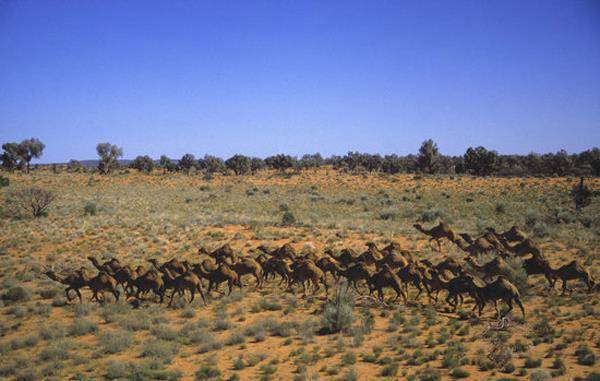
[[338, 313], [288, 218], [4, 181], [207, 372], [90, 209], [532, 362], [82, 327], [459, 373], [585, 356], [16, 294], [115, 341], [540, 375]]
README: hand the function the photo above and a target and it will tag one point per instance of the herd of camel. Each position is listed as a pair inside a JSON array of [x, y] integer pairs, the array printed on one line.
[[389, 267]]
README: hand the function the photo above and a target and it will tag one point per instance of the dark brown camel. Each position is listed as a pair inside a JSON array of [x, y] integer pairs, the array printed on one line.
[[74, 281], [385, 278], [437, 233], [573, 270], [500, 289]]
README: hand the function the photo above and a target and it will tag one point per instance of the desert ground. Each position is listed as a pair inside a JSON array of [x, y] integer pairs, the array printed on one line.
[[272, 333]]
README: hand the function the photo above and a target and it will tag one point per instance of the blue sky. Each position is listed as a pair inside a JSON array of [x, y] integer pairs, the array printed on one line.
[[262, 77]]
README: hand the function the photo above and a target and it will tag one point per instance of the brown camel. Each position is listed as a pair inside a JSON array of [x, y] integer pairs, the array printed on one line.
[[500, 289], [248, 266], [573, 270], [488, 240], [74, 281], [496, 266], [276, 266], [174, 265], [411, 275], [478, 247], [285, 251], [346, 258], [110, 266], [448, 264], [370, 256], [385, 278], [305, 270], [223, 273], [151, 280], [100, 283], [437, 233], [328, 264], [522, 248], [187, 281], [356, 273], [535, 265], [394, 260], [225, 251]]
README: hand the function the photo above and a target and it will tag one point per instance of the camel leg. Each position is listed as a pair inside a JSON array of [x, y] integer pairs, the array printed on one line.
[[116, 293], [418, 286], [380, 294], [67, 293], [171, 299], [510, 308], [201, 294], [78, 294], [564, 288], [518, 301]]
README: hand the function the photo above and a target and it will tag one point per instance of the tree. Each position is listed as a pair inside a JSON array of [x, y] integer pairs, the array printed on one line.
[[73, 166], [239, 164], [27, 150], [143, 164], [187, 162], [311, 161], [256, 164], [280, 162], [32, 201], [590, 158], [109, 156], [391, 164], [428, 157], [167, 164], [212, 164], [559, 163], [480, 161], [10, 156]]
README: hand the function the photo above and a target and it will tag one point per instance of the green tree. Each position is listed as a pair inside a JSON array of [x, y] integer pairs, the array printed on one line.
[[143, 164], [27, 150], [212, 164], [280, 162], [480, 161], [10, 156], [239, 164], [428, 157], [109, 156], [167, 164], [187, 162]]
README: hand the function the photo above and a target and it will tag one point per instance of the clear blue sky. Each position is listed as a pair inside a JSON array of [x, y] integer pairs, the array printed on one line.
[[262, 77]]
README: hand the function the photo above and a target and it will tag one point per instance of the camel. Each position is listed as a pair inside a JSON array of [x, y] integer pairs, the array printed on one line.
[[370, 256], [100, 283], [174, 265], [248, 266], [276, 266], [456, 287], [411, 275], [355, 273], [285, 251], [437, 233], [223, 273], [514, 234], [478, 247], [111, 266], [496, 266], [386, 278], [395, 260], [225, 251], [522, 248], [125, 277], [570, 271], [448, 264], [539, 265], [74, 281], [434, 284], [307, 271], [500, 289], [486, 241], [151, 280], [329, 265], [187, 281], [346, 258]]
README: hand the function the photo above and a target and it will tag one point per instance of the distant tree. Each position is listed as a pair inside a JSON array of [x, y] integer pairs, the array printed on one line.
[[239, 164], [480, 161], [590, 158], [372, 163], [143, 164], [256, 164], [167, 164], [212, 164], [27, 150], [187, 162], [280, 162], [10, 156], [109, 156], [391, 164], [73, 166], [310, 161], [428, 157], [559, 163]]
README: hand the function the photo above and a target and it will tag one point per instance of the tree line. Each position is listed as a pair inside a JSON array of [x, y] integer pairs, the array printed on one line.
[[477, 161]]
